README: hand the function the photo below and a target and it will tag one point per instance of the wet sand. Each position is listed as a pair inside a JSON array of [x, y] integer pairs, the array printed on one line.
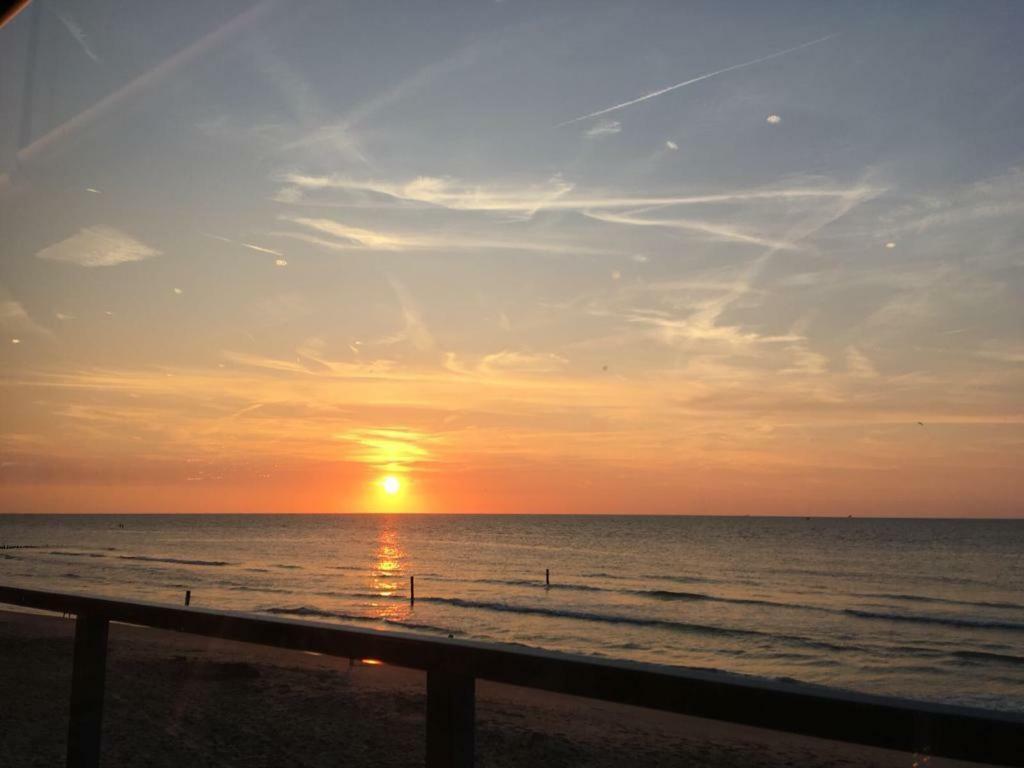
[[182, 700]]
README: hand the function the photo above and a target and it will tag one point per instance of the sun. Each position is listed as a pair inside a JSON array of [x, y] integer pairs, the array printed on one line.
[[391, 485]]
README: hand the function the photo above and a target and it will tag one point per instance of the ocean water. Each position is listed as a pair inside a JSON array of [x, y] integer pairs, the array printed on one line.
[[929, 609]]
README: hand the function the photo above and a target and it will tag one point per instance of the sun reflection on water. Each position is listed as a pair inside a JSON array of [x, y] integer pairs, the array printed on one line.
[[386, 580]]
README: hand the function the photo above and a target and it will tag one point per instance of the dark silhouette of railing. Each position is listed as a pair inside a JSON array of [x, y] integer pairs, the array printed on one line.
[[453, 666]]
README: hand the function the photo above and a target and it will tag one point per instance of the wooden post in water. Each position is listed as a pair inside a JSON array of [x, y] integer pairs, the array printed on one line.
[[188, 597], [547, 577], [88, 675], [412, 589]]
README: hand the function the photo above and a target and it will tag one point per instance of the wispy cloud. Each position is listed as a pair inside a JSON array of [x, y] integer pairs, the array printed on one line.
[[317, 129], [414, 330], [691, 81], [1003, 352], [978, 203], [604, 128], [15, 319], [357, 237], [711, 229], [76, 32], [338, 236], [261, 249], [858, 364], [554, 194], [508, 361], [390, 449], [98, 246]]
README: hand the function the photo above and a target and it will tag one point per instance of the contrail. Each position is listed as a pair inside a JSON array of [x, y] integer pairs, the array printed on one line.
[[78, 33], [693, 80]]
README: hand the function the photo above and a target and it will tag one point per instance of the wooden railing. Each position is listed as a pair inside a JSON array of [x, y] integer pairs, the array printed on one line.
[[453, 666]]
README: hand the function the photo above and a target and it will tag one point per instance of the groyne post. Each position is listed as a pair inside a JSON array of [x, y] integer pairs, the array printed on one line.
[[188, 597], [547, 577], [412, 589]]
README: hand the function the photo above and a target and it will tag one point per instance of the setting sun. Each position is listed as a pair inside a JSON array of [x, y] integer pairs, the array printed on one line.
[[391, 485]]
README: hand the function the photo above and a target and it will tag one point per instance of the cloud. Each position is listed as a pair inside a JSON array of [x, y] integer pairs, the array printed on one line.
[[338, 236], [712, 230], [554, 194], [859, 365], [980, 203], [98, 246], [1003, 352], [391, 449], [15, 319], [773, 119], [691, 81], [672, 145], [357, 236], [261, 249], [78, 34], [604, 128], [512, 361], [316, 130], [414, 330]]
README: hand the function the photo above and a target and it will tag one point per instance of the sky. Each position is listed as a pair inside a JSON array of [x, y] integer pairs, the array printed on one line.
[[575, 257]]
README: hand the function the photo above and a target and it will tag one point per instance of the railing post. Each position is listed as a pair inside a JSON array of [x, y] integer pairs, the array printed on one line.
[[451, 720], [87, 680]]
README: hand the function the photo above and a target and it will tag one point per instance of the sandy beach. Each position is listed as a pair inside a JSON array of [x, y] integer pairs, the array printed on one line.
[[176, 700]]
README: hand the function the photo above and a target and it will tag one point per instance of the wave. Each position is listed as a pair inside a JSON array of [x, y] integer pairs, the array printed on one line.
[[257, 588], [668, 594], [537, 583], [307, 612], [1004, 658], [606, 618], [655, 577], [418, 625], [76, 554], [944, 600], [655, 594], [686, 579], [875, 575], [173, 560], [948, 621]]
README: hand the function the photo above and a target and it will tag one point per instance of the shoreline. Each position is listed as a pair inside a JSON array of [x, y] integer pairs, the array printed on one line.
[[168, 696]]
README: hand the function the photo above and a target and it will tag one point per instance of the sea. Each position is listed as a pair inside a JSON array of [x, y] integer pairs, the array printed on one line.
[[926, 609]]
